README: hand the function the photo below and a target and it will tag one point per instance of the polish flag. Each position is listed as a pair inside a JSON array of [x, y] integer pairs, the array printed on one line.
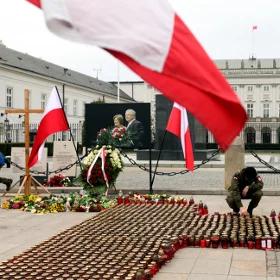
[[53, 120], [178, 125], [150, 38]]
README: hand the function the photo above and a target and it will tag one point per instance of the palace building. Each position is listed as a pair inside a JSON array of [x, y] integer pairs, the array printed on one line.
[[255, 81]]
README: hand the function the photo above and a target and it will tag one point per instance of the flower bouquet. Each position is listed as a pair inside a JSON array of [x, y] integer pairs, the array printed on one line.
[[59, 181], [100, 170], [116, 137]]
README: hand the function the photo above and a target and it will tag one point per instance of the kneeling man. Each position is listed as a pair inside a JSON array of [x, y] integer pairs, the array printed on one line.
[[245, 184]]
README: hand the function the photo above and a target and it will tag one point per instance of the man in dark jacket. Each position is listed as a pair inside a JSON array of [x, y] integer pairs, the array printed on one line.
[[6, 181], [245, 184], [135, 129]]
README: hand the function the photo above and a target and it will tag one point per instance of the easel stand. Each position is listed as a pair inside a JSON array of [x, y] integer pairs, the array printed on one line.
[[33, 183]]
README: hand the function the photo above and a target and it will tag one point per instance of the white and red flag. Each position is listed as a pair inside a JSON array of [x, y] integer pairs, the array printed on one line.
[[178, 125], [150, 38], [53, 120]]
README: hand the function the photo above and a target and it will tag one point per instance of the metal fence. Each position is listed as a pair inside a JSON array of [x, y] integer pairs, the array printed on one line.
[[14, 133]]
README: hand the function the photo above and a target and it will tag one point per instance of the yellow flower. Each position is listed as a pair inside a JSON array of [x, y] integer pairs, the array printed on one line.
[[5, 204]]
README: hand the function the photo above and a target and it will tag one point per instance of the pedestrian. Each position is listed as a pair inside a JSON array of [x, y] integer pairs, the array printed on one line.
[[6, 181], [245, 184]]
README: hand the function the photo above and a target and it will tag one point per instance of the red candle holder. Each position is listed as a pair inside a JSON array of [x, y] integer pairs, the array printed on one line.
[[215, 241], [191, 201], [120, 200], [251, 244], [263, 243], [203, 243], [224, 242], [258, 244], [205, 210]]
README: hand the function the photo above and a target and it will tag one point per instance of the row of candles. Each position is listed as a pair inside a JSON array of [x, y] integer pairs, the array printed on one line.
[[133, 240]]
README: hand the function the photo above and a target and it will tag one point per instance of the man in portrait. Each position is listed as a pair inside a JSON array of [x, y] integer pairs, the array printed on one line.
[[135, 129]]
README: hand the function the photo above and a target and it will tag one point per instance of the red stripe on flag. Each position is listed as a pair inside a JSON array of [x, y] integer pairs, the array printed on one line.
[[178, 125], [35, 2], [54, 121], [174, 122], [191, 79], [189, 151]]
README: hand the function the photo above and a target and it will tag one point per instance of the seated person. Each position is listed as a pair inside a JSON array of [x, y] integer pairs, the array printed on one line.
[[3, 180], [245, 184], [135, 129]]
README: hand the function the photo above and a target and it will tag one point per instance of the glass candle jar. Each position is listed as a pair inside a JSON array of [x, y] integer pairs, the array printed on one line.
[[215, 241], [263, 243]]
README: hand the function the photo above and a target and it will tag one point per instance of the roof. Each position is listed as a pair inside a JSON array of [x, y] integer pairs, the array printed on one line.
[[28, 63], [252, 63]]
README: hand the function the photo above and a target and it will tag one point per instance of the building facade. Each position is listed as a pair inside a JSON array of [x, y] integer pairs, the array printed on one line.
[[20, 71], [255, 81]]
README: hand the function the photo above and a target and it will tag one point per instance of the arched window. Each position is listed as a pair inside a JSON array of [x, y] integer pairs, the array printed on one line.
[[266, 135], [250, 133]]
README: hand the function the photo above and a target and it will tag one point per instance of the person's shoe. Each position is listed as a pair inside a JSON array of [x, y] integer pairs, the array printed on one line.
[[8, 184]]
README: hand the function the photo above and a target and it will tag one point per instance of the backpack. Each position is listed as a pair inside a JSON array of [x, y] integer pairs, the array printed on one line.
[[2, 160]]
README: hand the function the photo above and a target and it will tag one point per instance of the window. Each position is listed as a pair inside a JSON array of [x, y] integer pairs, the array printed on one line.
[[250, 110], [250, 133], [9, 97], [65, 105], [266, 110], [234, 88], [43, 101], [266, 88], [249, 96], [266, 135], [75, 107], [250, 88]]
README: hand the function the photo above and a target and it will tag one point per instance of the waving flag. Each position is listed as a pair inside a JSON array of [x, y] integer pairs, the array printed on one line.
[[179, 126], [53, 121], [153, 41]]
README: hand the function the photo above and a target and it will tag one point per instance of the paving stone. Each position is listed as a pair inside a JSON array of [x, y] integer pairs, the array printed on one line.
[[245, 254], [187, 253], [210, 266], [179, 266], [169, 276], [248, 268], [206, 277], [239, 277], [222, 255]]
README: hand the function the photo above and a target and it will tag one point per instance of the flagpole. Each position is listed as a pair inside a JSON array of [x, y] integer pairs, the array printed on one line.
[[159, 154], [118, 74], [254, 28], [71, 135]]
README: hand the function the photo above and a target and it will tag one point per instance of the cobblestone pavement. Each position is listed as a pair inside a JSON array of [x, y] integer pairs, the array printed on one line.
[[204, 179], [273, 263]]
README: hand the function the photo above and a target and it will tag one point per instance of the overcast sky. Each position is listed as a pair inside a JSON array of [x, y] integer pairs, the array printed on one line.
[[223, 27]]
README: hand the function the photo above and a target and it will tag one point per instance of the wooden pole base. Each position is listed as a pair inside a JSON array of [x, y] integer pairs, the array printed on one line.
[[28, 182]]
